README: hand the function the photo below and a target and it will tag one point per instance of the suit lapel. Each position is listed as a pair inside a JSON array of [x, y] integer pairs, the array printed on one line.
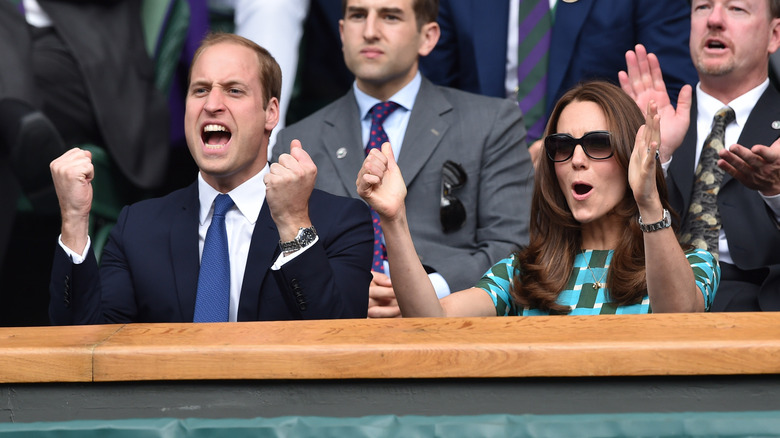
[[426, 128], [341, 137], [262, 252], [569, 19], [184, 251]]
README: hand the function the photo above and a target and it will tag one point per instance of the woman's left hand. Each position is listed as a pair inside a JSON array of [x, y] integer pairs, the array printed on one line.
[[644, 159]]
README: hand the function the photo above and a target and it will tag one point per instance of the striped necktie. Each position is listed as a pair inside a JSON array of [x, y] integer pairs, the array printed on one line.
[[535, 22]]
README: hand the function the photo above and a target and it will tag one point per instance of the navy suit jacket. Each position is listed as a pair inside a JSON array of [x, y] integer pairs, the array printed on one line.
[[149, 268], [589, 41], [752, 233]]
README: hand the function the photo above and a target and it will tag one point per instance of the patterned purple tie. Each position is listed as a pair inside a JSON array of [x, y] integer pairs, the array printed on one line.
[[376, 138], [532, 52]]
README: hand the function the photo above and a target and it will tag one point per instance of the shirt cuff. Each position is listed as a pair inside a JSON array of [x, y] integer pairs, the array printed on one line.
[[774, 204], [665, 166], [282, 259], [439, 285], [75, 257]]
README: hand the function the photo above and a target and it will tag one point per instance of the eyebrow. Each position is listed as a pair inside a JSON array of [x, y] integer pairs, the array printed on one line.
[[385, 10], [228, 84]]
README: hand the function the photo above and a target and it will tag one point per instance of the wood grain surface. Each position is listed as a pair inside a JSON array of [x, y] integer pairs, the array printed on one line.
[[558, 346]]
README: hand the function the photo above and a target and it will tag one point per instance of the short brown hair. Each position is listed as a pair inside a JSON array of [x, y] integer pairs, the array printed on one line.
[[774, 8], [270, 72], [425, 11]]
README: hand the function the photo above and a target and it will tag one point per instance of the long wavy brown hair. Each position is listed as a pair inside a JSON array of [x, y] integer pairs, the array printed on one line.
[[545, 265]]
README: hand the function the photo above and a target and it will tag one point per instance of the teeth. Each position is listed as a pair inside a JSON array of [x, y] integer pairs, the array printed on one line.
[[214, 128], [213, 146]]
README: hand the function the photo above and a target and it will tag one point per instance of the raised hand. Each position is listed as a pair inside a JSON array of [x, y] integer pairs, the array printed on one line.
[[381, 184], [288, 186], [644, 82], [643, 165], [758, 168], [72, 174]]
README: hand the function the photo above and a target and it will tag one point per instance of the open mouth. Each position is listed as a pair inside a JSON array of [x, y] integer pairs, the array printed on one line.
[[582, 189], [215, 136], [715, 44]]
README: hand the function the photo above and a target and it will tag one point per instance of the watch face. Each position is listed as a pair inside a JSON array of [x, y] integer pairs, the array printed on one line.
[[306, 235]]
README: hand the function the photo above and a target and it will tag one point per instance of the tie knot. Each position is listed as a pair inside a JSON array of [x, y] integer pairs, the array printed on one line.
[[380, 111], [222, 204], [724, 116]]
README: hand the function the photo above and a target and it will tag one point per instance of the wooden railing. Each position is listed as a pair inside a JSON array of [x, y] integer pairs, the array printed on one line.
[[620, 345]]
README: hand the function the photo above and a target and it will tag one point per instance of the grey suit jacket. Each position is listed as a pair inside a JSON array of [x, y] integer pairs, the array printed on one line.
[[752, 233], [485, 135]]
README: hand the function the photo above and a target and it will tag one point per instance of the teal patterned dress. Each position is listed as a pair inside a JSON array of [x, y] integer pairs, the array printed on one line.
[[581, 295]]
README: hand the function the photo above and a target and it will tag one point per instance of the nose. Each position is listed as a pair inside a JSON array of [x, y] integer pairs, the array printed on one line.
[[370, 30], [214, 101], [715, 18], [579, 158]]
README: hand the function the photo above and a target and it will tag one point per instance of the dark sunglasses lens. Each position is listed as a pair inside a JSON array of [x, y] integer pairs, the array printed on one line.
[[597, 145], [559, 146], [453, 215]]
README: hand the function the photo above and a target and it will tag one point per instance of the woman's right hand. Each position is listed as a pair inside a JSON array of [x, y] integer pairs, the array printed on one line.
[[381, 184]]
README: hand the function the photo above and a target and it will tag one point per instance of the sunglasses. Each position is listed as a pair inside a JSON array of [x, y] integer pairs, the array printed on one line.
[[596, 144], [451, 211]]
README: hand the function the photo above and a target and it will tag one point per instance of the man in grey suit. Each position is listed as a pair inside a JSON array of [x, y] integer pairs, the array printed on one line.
[[435, 133]]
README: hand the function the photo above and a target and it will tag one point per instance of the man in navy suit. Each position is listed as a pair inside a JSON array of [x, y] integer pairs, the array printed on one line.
[[730, 45], [588, 40], [295, 252]]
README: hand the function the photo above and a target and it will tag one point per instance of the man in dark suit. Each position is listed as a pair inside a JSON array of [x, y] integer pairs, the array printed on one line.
[[73, 72], [298, 254], [382, 41], [730, 45], [588, 40]]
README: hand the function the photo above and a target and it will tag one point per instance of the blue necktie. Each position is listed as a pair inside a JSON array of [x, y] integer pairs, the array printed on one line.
[[213, 299], [376, 138]]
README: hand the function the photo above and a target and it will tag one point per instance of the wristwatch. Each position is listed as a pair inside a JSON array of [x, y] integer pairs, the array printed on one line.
[[305, 236], [666, 222]]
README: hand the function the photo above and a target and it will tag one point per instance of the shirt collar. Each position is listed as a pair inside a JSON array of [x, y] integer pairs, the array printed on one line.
[[245, 197], [707, 106], [405, 97]]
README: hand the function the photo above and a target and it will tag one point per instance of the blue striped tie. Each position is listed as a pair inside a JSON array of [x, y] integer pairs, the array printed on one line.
[[533, 47], [213, 300]]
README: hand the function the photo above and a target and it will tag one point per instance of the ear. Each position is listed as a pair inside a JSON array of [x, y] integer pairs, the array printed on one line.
[[341, 33], [271, 114], [774, 35], [429, 36]]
